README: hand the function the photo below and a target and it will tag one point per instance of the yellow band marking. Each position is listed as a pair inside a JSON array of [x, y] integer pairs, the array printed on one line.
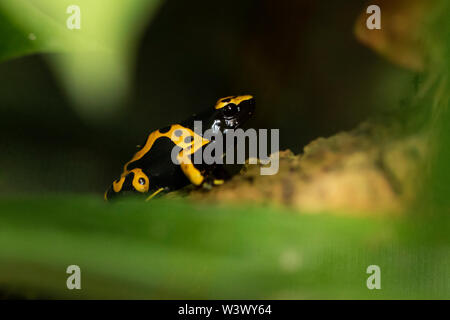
[[196, 143], [232, 99]]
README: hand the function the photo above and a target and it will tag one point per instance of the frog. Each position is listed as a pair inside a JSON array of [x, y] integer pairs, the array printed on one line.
[[151, 172]]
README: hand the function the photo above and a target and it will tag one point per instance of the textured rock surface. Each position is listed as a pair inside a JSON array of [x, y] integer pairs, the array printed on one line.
[[367, 170]]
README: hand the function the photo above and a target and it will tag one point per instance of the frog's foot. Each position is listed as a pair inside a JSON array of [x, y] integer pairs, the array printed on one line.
[[207, 185]]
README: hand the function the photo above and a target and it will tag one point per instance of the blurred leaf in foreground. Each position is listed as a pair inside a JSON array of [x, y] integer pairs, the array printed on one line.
[[180, 250], [96, 60]]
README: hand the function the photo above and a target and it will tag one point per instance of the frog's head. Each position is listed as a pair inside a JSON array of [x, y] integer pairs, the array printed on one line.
[[233, 111], [134, 182]]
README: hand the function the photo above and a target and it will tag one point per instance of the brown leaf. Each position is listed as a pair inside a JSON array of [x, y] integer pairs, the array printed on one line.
[[400, 38]]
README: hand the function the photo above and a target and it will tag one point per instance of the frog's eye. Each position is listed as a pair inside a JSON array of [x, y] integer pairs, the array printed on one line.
[[230, 110], [141, 181]]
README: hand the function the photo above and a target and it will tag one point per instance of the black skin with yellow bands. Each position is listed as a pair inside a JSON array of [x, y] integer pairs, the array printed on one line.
[[151, 171]]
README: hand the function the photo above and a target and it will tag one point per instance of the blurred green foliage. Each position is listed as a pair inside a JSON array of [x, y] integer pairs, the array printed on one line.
[[97, 60], [437, 177], [173, 249]]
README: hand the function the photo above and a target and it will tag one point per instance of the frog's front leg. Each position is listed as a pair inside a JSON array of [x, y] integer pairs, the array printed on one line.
[[202, 174], [194, 174]]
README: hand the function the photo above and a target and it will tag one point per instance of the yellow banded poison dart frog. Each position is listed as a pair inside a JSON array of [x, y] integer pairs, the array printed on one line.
[[152, 171]]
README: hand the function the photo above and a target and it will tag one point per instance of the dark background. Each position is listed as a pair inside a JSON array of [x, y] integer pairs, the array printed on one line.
[[300, 59]]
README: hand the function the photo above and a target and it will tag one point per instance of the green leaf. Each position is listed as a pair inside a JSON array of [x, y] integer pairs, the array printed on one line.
[[174, 249], [96, 59]]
